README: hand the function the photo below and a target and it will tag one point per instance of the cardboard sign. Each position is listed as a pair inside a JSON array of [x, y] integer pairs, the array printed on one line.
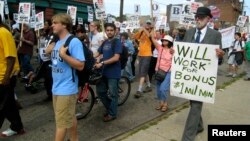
[[72, 12], [39, 21], [90, 13], [241, 21], [24, 12], [194, 71], [227, 36], [175, 13], [99, 9], [137, 9]]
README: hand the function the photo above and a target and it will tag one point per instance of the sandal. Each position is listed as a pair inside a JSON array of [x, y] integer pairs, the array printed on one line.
[[159, 107], [164, 108]]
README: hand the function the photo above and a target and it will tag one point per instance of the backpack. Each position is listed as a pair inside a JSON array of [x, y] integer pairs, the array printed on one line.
[[123, 56], [89, 61]]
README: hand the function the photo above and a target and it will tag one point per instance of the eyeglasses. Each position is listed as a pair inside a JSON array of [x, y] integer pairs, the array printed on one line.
[[201, 17]]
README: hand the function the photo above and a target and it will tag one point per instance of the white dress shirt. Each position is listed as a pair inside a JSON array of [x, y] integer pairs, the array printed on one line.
[[203, 33]]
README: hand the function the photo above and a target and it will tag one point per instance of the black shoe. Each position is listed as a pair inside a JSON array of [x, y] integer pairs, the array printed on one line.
[[138, 94], [18, 105]]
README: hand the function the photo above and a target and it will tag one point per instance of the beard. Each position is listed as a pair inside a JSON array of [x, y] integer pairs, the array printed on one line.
[[201, 24]]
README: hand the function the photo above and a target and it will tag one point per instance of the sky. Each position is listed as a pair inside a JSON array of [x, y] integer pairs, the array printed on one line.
[[113, 6]]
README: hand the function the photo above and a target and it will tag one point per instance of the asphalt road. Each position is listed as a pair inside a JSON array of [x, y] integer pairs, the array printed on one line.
[[38, 116]]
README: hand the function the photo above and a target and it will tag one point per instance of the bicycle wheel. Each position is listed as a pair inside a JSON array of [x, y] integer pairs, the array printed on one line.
[[84, 105], [124, 88]]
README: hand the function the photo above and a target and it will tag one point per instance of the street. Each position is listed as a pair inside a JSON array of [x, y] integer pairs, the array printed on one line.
[[38, 116]]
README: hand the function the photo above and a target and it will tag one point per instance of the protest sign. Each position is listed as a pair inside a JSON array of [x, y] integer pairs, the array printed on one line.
[[156, 9], [227, 36], [39, 21], [99, 9], [187, 17], [241, 21], [90, 13], [195, 6], [194, 71], [2, 9], [133, 22], [24, 12], [15, 17], [137, 9], [175, 13], [161, 22], [80, 21], [72, 12], [6, 8]]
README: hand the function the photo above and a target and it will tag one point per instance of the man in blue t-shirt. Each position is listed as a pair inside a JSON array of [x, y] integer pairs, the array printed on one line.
[[64, 88], [111, 72]]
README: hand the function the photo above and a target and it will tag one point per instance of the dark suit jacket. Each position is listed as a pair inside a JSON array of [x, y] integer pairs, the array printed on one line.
[[212, 37]]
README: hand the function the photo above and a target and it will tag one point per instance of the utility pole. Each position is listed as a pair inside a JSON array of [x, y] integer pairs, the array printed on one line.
[[151, 6], [121, 10]]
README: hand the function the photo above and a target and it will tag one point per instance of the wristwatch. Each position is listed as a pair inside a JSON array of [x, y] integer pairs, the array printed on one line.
[[102, 62]]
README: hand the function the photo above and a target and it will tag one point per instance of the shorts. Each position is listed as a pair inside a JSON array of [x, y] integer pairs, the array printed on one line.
[[64, 109], [144, 63], [231, 60]]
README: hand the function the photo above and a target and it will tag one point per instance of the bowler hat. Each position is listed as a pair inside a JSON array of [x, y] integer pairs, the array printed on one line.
[[204, 11]]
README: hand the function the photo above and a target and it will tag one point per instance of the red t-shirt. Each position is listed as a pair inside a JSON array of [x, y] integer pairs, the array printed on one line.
[[27, 48]]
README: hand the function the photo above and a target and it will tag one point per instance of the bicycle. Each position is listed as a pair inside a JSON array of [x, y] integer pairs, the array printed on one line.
[[86, 97]]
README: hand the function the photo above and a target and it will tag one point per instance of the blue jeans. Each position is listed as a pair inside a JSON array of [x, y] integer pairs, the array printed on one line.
[[127, 71], [107, 91], [25, 63], [162, 88]]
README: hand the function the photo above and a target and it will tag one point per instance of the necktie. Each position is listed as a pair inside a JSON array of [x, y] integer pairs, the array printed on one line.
[[198, 36]]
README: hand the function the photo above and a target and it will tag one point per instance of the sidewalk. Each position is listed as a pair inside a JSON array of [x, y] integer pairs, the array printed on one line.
[[231, 107]]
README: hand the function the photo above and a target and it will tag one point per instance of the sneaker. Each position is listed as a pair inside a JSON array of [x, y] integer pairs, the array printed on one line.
[[138, 94], [229, 74], [9, 132], [234, 75], [147, 89]]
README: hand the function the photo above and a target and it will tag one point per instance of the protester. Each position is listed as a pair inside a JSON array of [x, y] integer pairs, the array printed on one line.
[[126, 42], [153, 61], [235, 49], [181, 34], [144, 54], [107, 89], [25, 50], [95, 37], [16, 33], [82, 36], [9, 67], [247, 59], [64, 89], [164, 62], [200, 34]]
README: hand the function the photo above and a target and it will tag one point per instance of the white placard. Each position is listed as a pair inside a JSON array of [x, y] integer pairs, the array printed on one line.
[[137, 9], [241, 21], [39, 21], [6, 8], [90, 14], [227, 36], [80, 21], [24, 12], [99, 9], [187, 17], [156, 9], [72, 12], [161, 22], [194, 71], [2, 9], [175, 13], [15, 17]]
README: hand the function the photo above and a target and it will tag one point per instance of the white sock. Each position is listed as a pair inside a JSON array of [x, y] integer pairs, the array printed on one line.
[[140, 88], [148, 84], [15, 96]]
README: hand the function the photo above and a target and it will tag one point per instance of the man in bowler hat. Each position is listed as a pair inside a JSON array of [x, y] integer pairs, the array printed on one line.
[[203, 35]]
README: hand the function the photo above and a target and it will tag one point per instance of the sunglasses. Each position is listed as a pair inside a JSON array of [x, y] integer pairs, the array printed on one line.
[[201, 17]]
